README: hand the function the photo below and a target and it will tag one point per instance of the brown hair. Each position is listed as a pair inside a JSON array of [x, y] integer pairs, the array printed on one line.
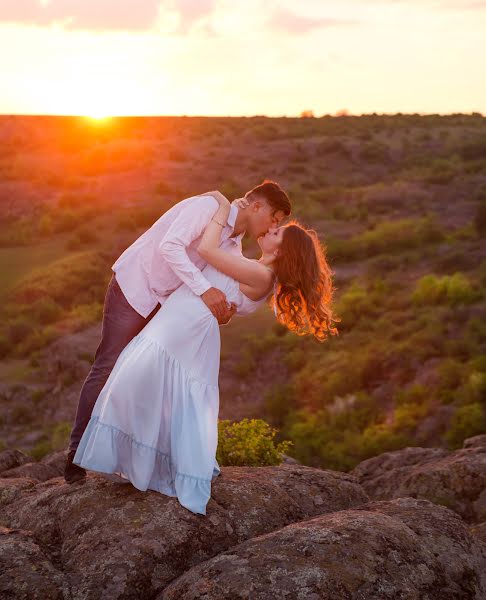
[[273, 194], [304, 288]]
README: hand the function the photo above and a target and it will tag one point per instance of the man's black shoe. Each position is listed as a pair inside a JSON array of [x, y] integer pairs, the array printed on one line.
[[73, 472]]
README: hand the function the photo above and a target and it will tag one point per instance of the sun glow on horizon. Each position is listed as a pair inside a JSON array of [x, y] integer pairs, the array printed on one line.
[[97, 115]]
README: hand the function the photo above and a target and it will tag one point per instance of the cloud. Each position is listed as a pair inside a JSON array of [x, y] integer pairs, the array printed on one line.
[[82, 14], [191, 12], [291, 23]]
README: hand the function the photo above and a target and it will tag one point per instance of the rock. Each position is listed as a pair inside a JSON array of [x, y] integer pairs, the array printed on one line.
[[404, 548], [25, 571], [475, 442], [47, 468], [290, 460], [11, 458], [454, 479], [479, 531], [13, 489], [114, 541]]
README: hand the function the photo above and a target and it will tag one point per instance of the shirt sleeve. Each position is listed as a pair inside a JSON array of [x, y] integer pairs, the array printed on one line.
[[189, 224]]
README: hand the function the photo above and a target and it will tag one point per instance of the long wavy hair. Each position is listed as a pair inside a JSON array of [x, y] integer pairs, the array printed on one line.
[[303, 287]]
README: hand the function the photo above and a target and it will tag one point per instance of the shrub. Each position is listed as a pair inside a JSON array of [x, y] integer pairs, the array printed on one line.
[[278, 401], [468, 420], [18, 330], [451, 373], [459, 290], [379, 438], [41, 449], [389, 236], [4, 346], [46, 226], [441, 171], [79, 278], [474, 149], [354, 304], [452, 289], [45, 310], [248, 442], [86, 235], [375, 152], [480, 218]]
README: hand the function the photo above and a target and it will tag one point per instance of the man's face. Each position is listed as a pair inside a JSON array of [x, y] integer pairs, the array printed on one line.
[[263, 217]]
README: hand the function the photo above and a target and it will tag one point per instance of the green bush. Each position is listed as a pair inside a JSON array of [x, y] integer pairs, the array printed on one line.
[[468, 420], [18, 330], [451, 289], [415, 394], [399, 235], [278, 401], [480, 218], [248, 442], [375, 152], [441, 171], [355, 304], [46, 311], [451, 374], [474, 149], [379, 438], [5, 346], [41, 449], [73, 279]]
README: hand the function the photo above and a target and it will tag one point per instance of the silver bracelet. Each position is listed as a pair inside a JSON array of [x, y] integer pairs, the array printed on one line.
[[221, 224]]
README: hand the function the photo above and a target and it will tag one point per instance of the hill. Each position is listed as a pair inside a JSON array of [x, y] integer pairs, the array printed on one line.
[[398, 201]]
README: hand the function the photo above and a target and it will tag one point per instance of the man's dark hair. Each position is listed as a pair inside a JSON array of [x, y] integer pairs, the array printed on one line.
[[273, 194]]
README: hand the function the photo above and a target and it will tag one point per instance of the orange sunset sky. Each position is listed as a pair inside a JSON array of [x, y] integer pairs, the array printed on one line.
[[248, 57]]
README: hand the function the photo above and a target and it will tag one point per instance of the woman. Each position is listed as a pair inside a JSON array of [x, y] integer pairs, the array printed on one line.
[[155, 422]]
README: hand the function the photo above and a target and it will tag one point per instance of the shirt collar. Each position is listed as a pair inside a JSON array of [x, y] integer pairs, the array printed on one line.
[[233, 213]]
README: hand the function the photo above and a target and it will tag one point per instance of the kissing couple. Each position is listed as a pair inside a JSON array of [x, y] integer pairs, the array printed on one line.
[[148, 410]]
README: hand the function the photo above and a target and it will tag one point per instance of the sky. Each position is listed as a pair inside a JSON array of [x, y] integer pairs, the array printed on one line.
[[242, 57]]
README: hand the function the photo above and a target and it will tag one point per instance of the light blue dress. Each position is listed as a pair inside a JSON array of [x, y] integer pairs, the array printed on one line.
[[155, 422]]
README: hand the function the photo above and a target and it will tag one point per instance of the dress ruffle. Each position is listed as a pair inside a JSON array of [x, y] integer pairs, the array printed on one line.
[[114, 451]]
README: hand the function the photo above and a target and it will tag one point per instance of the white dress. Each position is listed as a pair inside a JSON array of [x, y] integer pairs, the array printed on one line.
[[155, 422]]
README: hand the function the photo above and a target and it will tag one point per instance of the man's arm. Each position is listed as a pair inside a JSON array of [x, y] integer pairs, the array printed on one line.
[[188, 226]]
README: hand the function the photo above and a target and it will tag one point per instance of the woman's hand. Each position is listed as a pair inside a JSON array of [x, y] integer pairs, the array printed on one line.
[[218, 196], [242, 202]]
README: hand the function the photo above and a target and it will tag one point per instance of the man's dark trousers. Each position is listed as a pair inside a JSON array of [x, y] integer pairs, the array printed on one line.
[[121, 323]]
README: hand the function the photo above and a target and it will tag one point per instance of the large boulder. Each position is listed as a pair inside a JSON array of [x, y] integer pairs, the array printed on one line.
[[111, 540], [26, 572], [453, 479], [13, 458], [48, 467], [404, 548]]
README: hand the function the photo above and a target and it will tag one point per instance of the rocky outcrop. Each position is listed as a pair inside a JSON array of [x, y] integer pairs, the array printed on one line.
[[109, 540], [404, 548], [26, 571], [288, 531], [14, 464], [453, 479]]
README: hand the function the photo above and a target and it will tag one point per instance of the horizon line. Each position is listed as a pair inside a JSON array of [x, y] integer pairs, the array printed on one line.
[[313, 116]]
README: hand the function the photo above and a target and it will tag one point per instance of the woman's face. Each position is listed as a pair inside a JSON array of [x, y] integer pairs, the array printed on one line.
[[270, 242]]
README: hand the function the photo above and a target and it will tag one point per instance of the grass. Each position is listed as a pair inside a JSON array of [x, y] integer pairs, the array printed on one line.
[[18, 261]]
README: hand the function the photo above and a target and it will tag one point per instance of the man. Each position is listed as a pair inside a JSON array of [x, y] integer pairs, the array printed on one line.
[[154, 266]]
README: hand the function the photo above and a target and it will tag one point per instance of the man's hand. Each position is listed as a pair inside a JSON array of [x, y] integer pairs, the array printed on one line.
[[229, 313], [215, 300]]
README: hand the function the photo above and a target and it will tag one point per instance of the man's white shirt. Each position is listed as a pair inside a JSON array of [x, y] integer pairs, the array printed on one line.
[[165, 256]]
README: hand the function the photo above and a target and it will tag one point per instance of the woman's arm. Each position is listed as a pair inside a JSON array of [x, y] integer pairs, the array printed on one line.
[[245, 271]]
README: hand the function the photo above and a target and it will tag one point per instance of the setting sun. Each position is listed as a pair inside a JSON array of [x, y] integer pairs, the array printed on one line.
[[97, 116]]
